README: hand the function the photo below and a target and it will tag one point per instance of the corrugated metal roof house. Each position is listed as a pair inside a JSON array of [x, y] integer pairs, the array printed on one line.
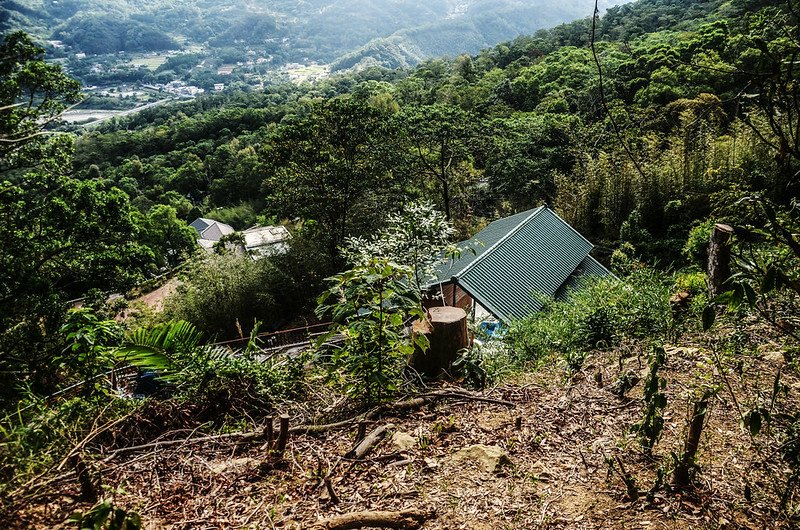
[[516, 263]]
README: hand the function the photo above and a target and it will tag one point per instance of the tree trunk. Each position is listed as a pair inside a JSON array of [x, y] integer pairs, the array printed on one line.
[[719, 259], [446, 330]]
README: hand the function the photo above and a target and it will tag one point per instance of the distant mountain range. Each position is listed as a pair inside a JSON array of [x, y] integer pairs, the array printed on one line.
[[348, 33]]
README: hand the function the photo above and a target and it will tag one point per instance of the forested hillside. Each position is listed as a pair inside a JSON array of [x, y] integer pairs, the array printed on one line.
[[320, 29], [667, 132], [524, 122]]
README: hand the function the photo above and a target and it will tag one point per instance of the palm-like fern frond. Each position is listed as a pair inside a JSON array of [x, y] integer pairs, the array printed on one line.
[[159, 347]]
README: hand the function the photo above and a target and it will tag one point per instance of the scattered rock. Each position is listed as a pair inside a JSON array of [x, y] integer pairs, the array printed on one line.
[[404, 441], [227, 465], [774, 357], [490, 456], [681, 351], [431, 463]]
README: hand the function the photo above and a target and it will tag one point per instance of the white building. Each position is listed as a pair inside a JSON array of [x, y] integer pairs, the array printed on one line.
[[261, 241]]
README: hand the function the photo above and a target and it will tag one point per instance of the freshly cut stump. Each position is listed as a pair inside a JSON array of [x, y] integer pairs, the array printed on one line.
[[446, 329], [719, 258]]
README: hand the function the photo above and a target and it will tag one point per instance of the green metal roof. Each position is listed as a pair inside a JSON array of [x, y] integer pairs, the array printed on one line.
[[520, 261], [588, 267]]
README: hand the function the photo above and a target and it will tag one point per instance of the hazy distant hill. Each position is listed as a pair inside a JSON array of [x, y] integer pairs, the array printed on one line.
[[476, 24], [388, 32]]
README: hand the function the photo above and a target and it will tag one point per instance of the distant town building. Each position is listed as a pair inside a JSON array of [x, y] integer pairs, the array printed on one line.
[[219, 87]]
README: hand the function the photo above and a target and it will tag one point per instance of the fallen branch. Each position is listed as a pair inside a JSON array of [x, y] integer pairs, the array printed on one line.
[[405, 519], [258, 436], [239, 437], [450, 394], [369, 442]]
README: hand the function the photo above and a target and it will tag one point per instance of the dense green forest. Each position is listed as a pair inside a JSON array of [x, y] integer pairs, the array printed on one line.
[[680, 131], [519, 124], [641, 128]]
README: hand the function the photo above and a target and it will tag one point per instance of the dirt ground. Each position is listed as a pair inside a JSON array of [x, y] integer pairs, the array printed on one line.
[[559, 435], [154, 300]]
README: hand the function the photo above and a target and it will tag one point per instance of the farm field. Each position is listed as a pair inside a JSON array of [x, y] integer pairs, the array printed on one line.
[[150, 61]]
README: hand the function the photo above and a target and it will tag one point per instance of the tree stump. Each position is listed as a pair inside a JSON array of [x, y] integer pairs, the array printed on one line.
[[681, 476], [446, 330], [719, 259]]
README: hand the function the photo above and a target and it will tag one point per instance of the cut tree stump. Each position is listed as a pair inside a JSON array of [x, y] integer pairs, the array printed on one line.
[[283, 435], [719, 259], [446, 329], [405, 519], [681, 475]]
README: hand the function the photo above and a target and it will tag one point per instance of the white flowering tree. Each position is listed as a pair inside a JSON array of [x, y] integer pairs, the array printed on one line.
[[418, 238]]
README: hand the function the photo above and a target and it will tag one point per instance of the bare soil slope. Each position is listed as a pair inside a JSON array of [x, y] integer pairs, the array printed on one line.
[[559, 436]]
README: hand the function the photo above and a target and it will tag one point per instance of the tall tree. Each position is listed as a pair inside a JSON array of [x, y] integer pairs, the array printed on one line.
[[59, 235], [438, 147], [332, 166]]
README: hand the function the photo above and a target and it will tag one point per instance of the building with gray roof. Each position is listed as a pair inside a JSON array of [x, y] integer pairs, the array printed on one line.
[[210, 231]]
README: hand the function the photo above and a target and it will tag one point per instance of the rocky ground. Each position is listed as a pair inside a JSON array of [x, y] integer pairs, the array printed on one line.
[[537, 454]]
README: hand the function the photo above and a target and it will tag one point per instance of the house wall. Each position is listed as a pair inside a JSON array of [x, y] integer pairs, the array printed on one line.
[[462, 299]]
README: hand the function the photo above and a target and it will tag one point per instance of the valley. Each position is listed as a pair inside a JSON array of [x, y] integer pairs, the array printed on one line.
[[245, 45], [357, 264]]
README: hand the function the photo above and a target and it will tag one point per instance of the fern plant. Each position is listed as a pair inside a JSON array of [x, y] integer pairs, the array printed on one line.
[[167, 348]]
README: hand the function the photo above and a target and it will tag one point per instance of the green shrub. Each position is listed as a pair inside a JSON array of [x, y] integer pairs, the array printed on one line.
[[219, 381], [106, 515], [39, 433], [696, 248], [600, 314], [691, 281], [487, 362], [231, 387], [369, 305], [224, 295]]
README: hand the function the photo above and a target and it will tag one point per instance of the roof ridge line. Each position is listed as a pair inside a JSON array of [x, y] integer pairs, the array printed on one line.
[[536, 211], [573, 229]]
